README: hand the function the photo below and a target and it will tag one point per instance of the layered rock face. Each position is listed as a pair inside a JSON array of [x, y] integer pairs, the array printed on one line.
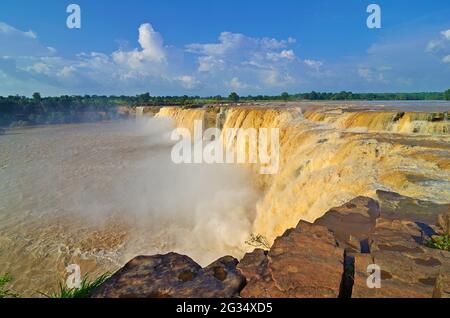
[[333, 257], [303, 262], [408, 268], [390, 234]]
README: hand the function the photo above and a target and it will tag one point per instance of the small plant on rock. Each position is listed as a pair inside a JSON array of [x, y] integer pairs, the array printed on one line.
[[4, 292], [441, 242], [259, 241]]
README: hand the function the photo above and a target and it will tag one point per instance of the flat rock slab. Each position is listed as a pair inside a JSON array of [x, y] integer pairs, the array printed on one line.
[[303, 262], [408, 267], [173, 275], [352, 222], [399, 207]]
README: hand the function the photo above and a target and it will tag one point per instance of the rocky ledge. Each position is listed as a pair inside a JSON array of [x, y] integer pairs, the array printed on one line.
[[329, 258]]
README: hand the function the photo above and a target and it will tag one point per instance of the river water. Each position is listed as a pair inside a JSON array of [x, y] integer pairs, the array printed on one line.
[[99, 194]]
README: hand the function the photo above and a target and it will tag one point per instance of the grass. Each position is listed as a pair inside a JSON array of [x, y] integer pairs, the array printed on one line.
[[441, 242], [259, 241], [85, 290], [4, 292]]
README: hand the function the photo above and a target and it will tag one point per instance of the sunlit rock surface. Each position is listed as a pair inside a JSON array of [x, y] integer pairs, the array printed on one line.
[[303, 262]]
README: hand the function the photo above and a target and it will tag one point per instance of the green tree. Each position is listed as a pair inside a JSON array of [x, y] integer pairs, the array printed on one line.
[[37, 97], [447, 94], [285, 96], [233, 97]]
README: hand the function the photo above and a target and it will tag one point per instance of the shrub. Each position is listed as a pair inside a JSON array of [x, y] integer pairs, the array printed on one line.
[[441, 242], [259, 241]]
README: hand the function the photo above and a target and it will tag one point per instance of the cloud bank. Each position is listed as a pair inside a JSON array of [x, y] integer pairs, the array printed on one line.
[[235, 62]]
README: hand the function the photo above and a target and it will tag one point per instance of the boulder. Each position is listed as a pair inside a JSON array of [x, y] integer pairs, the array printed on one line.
[[173, 275], [303, 262]]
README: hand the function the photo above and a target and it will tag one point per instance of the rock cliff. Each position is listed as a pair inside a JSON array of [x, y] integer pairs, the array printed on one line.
[[325, 259]]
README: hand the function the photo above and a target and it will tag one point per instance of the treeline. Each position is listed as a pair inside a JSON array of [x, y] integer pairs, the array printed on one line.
[[21, 110], [353, 96]]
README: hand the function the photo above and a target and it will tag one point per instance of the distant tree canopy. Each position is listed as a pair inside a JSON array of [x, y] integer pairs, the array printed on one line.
[[37, 97], [233, 97], [447, 94], [61, 109], [285, 96]]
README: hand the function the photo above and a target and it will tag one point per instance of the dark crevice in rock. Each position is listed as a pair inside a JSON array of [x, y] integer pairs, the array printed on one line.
[[348, 276], [364, 246]]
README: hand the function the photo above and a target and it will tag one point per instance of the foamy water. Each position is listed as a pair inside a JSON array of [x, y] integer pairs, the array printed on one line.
[[99, 194]]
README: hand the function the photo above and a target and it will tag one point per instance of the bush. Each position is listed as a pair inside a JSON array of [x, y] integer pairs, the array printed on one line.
[[441, 242], [258, 241]]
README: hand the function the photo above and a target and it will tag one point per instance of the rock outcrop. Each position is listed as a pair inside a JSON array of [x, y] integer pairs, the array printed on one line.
[[408, 267], [334, 257], [173, 275], [388, 235], [398, 207], [352, 222], [303, 262]]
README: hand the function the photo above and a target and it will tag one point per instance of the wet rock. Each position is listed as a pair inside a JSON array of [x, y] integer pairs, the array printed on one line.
[[173, 275], [303, 262]]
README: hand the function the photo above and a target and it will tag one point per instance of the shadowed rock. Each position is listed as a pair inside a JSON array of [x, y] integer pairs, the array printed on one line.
[[173, 275]]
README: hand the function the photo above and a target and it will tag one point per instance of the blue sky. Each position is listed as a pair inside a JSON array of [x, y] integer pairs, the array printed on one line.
[[202, 47]]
